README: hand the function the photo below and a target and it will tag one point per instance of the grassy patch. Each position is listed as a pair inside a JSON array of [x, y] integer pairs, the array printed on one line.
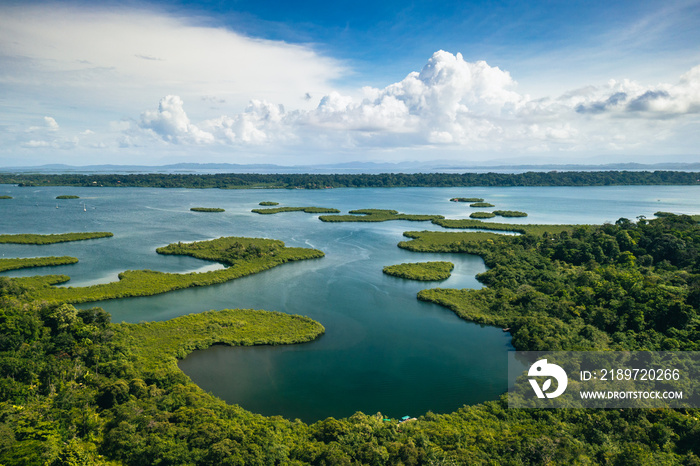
[[425, 271], [444, 241], [535, 229], [245, 256], [481, 204], [25, 238], [470, 305], [229, 250], [206, 209], [308, 210], [23, 263], [378, 215], [158, 344], [269, 203], [5, 197], [67, 196]]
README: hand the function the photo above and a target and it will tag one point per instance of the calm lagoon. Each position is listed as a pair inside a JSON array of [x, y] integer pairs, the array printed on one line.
[[383, 350]]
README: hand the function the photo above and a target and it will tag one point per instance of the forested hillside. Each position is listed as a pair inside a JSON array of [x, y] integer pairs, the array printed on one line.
[[622, 286], [384, 180]]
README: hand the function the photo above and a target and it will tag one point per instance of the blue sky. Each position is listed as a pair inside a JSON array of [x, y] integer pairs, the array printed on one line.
[[322, 82]]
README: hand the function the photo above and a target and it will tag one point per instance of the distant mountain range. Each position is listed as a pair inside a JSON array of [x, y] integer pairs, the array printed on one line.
[[350, 167]]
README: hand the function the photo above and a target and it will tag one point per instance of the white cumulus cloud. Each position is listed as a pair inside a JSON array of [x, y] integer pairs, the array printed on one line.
[[51, 123], [260, 123], [447, 101], [170, 122]]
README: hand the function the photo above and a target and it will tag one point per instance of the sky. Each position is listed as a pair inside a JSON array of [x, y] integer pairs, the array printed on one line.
[[318, 82]]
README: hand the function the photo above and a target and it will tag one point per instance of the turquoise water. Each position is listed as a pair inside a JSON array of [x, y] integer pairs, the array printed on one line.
[[383, 349]]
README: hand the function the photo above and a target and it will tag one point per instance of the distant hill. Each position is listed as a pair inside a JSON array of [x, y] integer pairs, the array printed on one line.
[[348, 168]]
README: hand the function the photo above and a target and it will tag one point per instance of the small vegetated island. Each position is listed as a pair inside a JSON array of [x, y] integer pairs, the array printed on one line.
[[242, 256], [23, 263], [5, 197], [67, 196], [500, 213], [510, 213], [308, 210], [481, 204], [207, 209], [52, 238], [467, 199], [482, 215], [424, 271], [474, 224], [377, 215], [268, 203]]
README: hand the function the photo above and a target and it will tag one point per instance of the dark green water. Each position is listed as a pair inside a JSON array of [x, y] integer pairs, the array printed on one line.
[[383, 349]]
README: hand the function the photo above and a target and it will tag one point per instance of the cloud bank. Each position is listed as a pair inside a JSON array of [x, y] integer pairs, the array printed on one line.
[[450, 103], [118, 58], [662, 101]]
